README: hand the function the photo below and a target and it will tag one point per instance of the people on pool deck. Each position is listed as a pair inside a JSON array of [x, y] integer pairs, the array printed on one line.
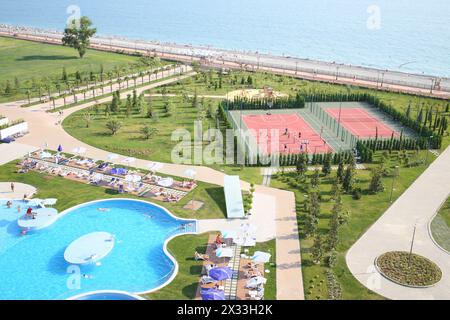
[[286, 131], [12, 186], [199, 256], [219, 240]]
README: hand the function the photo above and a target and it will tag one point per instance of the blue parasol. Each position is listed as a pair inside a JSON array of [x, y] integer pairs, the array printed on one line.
[[221, 273], [212, 294]]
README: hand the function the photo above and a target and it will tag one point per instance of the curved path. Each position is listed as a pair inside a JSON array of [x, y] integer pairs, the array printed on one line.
[[20, 189], [393, 231], [279, 222]]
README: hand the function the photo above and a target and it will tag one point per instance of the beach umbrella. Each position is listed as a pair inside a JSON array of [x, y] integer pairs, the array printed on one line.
[[155, 166], [137, 178], [256, 281], [129, 160], [129, 178], [262, 257], [167, 182], [212, 294], [224, 253], [45, 155], [79, 150], [190, 173], [245, 241], [112, 156], [60, 149], [221, 273]]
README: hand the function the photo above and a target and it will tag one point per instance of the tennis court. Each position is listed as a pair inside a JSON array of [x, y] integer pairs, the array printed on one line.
[[361, 123], [294, 133]]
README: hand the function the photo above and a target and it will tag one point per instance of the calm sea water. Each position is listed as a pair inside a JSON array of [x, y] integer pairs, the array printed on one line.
[[414, 35]]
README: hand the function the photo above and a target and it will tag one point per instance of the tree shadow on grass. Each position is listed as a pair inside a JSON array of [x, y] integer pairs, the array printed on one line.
[[45, 58], [189, 291], [218, 196]]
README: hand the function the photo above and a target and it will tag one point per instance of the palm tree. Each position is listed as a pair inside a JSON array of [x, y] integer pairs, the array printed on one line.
[[134, 79], [127, 79], [142, 74], [58, 87], [64, 99], [110, 75], [28, 94]]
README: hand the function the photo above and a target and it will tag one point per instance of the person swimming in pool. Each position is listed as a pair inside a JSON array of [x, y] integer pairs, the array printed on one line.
[[103, 209]]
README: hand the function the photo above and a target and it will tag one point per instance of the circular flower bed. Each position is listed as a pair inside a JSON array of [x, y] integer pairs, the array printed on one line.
[[419, 272]]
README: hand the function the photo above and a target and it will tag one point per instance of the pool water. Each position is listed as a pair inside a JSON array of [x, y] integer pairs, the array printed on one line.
[[33, 266]]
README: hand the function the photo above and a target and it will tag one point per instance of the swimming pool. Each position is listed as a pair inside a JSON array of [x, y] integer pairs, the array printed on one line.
[[33, 266]]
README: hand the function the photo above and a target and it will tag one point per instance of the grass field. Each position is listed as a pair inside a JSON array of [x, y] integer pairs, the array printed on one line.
[[361, 214], [440, 226], [36, 64]]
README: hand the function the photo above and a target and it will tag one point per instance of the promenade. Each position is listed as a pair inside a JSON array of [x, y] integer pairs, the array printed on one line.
[[425, 85]]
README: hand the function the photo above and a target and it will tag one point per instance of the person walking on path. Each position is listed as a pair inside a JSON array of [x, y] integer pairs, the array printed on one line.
[[12, 187]]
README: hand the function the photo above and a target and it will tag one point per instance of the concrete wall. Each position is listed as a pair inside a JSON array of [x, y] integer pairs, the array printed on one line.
[[17, 128]]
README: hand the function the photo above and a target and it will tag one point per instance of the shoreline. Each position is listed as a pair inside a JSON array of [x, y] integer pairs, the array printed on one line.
[[423, 85]]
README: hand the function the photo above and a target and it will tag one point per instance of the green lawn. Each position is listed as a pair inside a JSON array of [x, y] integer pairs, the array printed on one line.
[[185, 284], [361, 215], [36, 64], [440, 226], [183, 113]]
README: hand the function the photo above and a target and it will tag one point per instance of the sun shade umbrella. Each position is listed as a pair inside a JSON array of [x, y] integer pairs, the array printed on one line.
[[44, 155], [262, 257], [256, 281], [155, 166], [190, 173], [212, 294], [79, 150], [221, 273], [224, 253]]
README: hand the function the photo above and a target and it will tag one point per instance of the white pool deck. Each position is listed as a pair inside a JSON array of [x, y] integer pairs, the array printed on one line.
[[89, 248], [20, 189], [44, 218]]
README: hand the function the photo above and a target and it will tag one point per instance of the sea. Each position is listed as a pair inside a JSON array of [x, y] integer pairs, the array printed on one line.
[[404, 35]]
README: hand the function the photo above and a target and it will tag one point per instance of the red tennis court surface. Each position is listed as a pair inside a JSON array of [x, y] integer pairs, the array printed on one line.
[[300, 136], [360, 123]]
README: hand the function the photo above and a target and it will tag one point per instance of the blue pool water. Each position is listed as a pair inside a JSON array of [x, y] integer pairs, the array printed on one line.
[[414, 35], [33, 266]]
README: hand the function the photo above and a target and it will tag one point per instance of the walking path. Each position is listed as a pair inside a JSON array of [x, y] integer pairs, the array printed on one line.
[[393, 231], [273, 213], [254, 61]]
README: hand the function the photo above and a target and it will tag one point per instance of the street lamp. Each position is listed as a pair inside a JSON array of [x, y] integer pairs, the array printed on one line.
[[393, 181]]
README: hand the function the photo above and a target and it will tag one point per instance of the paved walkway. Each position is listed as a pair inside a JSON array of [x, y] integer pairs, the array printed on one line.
[[20, 189], [279, 221], [13, 151], [253, 61], [393, 231]]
